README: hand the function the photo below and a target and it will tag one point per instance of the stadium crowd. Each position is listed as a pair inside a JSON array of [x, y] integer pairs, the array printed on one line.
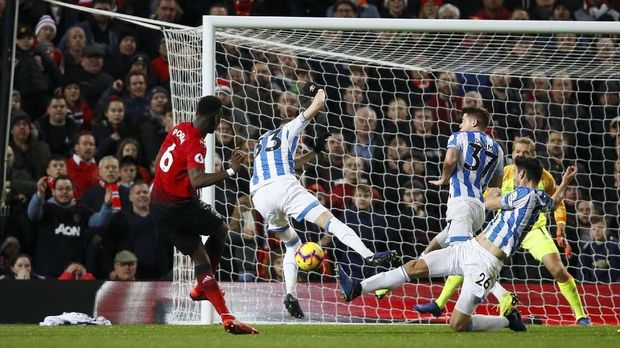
[[91, 106]]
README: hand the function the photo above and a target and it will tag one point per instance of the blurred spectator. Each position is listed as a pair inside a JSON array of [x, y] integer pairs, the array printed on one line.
[[330, 161], [561, 12], [365, 142], [55, 128], [130, 147], [342, 190], [9, 250], [141, 63], [134, 230], [429, 9], [77, 108], [61, 225], [110, 129], [358, 76], [448, 11], [395, 9], [31, 155], [166, 11], [81, 166], [284, 77], [369, 222], [72, 53], [596, 10], [578, 226], [98, 28], [534, 124], [519, 14], [21, 269], [245, 237], [287, 108], [344, 9], [388, 170], [125, 266], [76, 271], [119, 59], [128, 169], [56, 167], [132, 92], [600, 257], [257, 99], [45, 30], [159, 65], [16, 101], [538, 89], [415, 219], [152, 131], [503, 103], [93, 80], [542, 10], [35, 75], [398, 119], [19, 182], [424, 138], [218, 9], [109, 181], [492, 9], [565, 113], [446, 103], [557, 158]]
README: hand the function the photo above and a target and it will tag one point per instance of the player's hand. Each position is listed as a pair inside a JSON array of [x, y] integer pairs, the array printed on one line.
[[237, 158], [569, 174], [494, 192], [319, 142], [563, 242], [439, 182]]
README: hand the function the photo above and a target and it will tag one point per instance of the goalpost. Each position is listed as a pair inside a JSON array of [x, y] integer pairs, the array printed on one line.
[[523, 71]]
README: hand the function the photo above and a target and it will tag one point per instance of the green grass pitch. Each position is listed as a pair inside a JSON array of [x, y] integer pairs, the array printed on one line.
[[310, 336]]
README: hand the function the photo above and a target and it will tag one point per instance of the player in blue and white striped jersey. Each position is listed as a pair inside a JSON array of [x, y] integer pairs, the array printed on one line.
[[474, 160], [278, 195], [479, 260]]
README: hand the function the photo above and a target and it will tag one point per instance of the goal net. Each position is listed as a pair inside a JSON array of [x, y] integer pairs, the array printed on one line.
[[394, 97]]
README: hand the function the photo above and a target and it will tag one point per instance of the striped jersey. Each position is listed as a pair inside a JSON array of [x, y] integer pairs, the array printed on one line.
[[479, 159], [520, 210], [274, 153], [546, 183]]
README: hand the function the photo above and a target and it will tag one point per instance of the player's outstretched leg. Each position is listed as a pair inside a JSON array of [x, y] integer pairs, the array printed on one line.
[[290, 268], [349, 238], [349, 287]]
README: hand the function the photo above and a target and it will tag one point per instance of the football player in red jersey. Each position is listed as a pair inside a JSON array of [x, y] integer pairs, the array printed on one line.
[[179, 171]]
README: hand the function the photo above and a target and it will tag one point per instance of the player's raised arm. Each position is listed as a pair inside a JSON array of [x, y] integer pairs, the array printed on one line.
[[198, 178], [449, 163], [567, 178], [318, 101], [317, 148]]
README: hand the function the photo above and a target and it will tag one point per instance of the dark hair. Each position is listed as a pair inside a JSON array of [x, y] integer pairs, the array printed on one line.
[[63, 177], [531, 165], [480, 114], [56, 158], [127, 160], [595, 219], [209, 106], [76, 138], [14, 260], [139, 182]]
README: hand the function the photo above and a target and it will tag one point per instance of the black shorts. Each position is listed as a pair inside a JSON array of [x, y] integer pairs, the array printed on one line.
[[186, 222]]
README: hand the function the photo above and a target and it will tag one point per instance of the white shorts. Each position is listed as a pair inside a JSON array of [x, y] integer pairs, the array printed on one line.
[[479, 268], [280, 199], [464, 217]]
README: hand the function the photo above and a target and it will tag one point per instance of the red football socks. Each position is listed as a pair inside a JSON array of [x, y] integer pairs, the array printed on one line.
[[212, 290]]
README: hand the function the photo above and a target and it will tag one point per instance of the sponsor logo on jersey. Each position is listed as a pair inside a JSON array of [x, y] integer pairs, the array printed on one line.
[[69, 231]]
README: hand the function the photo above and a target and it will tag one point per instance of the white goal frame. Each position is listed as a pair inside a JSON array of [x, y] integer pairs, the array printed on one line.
[[211, 23]]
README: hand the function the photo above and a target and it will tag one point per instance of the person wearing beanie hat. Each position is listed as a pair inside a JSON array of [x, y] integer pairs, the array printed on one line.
[[45, 30]]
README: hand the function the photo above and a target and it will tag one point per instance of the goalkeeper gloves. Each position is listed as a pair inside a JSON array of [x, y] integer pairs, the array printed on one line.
[[319, 142], [311, 89], [562, 241]]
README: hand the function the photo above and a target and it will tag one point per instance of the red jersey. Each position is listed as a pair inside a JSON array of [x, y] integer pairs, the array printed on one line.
[[181, 151]]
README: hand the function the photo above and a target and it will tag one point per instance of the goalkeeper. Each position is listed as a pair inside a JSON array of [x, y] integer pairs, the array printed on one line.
[[538, 242]]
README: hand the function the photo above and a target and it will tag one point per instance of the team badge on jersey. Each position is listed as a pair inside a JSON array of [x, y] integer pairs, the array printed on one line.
[[199, 158]]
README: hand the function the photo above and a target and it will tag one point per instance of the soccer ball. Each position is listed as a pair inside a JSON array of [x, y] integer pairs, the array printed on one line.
[[309, 256]]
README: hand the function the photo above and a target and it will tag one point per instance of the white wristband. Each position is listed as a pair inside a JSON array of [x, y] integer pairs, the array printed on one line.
[[230, 172]]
